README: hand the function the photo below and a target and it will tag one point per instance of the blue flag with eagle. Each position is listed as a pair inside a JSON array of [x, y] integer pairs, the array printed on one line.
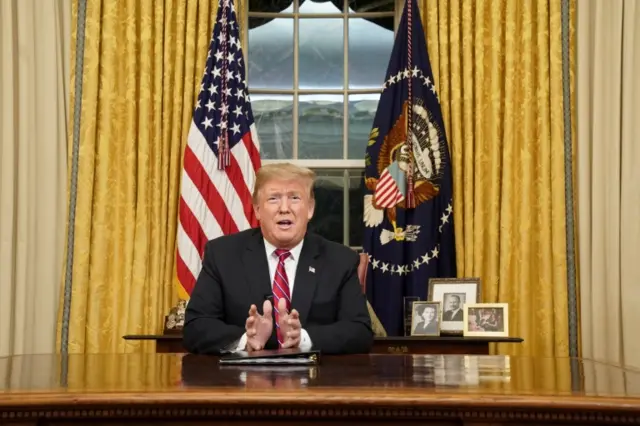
[[408, 202]]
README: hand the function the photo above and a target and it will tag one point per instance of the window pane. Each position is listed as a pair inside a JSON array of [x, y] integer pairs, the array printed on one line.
[[310, 7], [321, 54], [320, 126], [362, 6], [270, 53], [328, 218], [274, 123], [370, 45], [356, 206], [362, 111]]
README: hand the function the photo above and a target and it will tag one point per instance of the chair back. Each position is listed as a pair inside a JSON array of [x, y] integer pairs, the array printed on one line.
[[362, 271], [378, 329]]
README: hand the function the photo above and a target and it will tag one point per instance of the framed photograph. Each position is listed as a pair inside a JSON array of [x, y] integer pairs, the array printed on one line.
[[453, 294], [425, 320], [486, 319], [407, 313]]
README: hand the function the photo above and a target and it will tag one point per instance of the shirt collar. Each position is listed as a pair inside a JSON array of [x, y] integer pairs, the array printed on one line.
[[295, 252]]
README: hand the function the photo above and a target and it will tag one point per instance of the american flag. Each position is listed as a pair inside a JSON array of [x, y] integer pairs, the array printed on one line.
[[222, 153]]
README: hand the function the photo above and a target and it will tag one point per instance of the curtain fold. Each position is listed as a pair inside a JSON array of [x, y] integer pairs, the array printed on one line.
[[141, 63], [608, 101], [498, 67], [34, 83]]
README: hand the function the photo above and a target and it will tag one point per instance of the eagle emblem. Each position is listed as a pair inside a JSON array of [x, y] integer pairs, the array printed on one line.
[[389, 190]]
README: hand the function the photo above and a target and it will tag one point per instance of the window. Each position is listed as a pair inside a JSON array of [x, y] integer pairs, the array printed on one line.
[[315, 71]]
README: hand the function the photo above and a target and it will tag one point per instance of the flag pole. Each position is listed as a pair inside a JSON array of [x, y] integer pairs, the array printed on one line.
[[410, 204], [223, 147]]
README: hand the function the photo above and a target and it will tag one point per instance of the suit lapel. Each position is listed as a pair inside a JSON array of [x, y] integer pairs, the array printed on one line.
[[306, 278], [256, 268]]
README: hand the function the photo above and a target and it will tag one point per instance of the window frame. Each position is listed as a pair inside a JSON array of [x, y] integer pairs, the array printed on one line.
[[344, 164]]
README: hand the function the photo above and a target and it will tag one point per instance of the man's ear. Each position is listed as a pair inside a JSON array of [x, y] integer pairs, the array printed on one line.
[[312, 208], [256, 209]]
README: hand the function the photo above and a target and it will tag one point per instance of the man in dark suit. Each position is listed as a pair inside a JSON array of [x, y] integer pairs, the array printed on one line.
[[312, 282], [454, 313]]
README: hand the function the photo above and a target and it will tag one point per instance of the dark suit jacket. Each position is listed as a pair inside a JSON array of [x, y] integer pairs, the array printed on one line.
[[447, 316], [421, 328], [235, 275]]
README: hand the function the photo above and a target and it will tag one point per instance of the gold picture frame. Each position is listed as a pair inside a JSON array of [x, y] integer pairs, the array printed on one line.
[[453, 294], [418, 309], [486, 320]]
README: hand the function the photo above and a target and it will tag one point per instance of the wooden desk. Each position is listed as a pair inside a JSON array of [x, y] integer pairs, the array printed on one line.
[[172, 343], [355, 390]]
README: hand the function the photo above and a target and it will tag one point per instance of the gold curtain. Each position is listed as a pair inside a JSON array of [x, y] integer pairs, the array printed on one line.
[[498, 71], [142, 65]]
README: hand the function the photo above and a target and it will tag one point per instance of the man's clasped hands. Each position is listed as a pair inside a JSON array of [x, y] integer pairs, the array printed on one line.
[[259, 327]]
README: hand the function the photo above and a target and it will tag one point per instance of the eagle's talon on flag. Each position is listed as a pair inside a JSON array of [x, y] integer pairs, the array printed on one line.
[[398, 232], [387, 236]]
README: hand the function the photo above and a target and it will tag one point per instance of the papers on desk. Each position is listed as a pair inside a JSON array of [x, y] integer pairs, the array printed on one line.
[[272, 357], [264, 361]]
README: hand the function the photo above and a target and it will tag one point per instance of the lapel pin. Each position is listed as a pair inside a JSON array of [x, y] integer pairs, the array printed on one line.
[[312, 269]]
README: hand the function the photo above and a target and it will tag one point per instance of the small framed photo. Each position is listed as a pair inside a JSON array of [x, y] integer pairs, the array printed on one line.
[[486, 319], [407, 313], [453, 294], [425, 319]]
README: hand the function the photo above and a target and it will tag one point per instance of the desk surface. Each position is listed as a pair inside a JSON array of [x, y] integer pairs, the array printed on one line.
[[418, 386]]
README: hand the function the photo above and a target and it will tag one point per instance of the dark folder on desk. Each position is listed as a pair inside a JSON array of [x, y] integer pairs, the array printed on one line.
[[272, 357]]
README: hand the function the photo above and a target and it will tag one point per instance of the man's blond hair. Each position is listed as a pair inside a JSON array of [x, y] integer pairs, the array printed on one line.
[[283, 171]]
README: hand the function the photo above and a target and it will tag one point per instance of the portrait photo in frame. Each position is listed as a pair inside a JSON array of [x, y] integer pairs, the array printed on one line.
[[486, 320], [425, 319], [407, 313], [453, 294]]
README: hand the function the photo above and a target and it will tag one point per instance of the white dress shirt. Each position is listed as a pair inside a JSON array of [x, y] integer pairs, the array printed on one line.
[[290, 266]]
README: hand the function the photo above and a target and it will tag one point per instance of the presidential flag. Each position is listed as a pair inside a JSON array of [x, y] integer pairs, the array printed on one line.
[[408, 202], [222, 153]]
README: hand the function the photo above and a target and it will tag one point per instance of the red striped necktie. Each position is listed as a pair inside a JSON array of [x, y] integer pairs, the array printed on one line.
[[281, 289]]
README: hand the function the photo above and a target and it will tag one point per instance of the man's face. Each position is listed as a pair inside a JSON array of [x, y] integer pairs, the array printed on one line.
[[454, 302], [284, 209]]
